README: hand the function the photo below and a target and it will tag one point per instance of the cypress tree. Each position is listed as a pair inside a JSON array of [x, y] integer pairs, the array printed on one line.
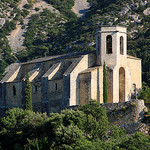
[[105, 96], [28, 96]]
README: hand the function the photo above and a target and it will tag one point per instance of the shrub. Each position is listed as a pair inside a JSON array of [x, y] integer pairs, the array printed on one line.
[[138, 141], [145, 94], [37, 9], [28, 6]]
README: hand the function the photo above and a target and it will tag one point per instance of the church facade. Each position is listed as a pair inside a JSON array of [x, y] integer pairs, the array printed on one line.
[[74, 79]]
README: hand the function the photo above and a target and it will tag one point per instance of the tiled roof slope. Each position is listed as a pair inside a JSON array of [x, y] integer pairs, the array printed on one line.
[[58, 57], [10, 71]]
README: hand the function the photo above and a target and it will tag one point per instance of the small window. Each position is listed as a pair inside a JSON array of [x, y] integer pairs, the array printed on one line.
[[98, 49], [121, 45], [109, 44], [55, 87], [14, 91], [35, 88]]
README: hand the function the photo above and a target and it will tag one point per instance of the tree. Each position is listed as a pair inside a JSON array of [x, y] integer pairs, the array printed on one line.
[[137, 141], [97, 121], [105, 96], [28, 97]]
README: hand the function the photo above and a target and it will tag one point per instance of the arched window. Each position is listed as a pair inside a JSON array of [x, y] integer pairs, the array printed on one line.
[[121, 45], [109, 44], [98, 49], [14, 91]]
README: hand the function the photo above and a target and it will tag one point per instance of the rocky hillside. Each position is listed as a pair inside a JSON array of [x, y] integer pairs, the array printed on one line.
[[39, 28], [16, 37], [80, 7]]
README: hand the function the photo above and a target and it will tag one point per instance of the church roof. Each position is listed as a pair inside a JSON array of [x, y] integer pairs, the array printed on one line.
[[132, 57], [9, 71], [90, 69], [58, 57]]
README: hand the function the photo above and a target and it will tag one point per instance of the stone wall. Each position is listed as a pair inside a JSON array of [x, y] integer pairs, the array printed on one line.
[[128, 115], [85, 88], [135, 69]]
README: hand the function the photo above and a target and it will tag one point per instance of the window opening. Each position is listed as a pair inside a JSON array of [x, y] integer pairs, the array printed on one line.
[[14, 91], [35, 89], [121, 45], [109, 44], [56, 86]]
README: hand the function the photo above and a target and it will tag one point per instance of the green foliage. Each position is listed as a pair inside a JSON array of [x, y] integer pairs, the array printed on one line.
[[136, 142], [94, 108], [28, 95], [5, 51], [13, 119], [28, 6], [64, 6], [19, 126], [67, 137], [8, 27], [99, 114], [3, 65], [133, 104], [105, 94], [10, 24], [24, 13], [70, 129], [36, 144], [117, 135], [9, 127], [145, 94], [12, 3], [37, 9]]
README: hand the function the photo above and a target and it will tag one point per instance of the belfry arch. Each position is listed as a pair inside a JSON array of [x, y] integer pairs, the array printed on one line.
[[121, 84], [109, 44]]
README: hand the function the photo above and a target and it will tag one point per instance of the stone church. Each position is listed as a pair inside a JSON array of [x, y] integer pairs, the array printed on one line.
[[73, 79]]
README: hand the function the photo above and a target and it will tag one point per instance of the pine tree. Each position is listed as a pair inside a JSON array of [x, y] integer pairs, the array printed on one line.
[[28, 97], [105, 96]]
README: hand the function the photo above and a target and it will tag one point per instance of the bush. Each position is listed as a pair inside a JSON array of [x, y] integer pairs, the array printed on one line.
[[99, 113], [138, 141], [145, 94], [24, 13], [37, 9], [28, 6]]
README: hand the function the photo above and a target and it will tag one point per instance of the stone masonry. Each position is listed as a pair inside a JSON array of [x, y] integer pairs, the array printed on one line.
[[72, 79]]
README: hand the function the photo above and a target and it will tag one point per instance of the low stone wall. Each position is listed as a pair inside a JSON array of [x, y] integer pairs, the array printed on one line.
[[125, 113], [128, 115]]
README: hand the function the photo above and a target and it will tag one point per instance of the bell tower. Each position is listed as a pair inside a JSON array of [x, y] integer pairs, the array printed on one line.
[[111, 45]]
